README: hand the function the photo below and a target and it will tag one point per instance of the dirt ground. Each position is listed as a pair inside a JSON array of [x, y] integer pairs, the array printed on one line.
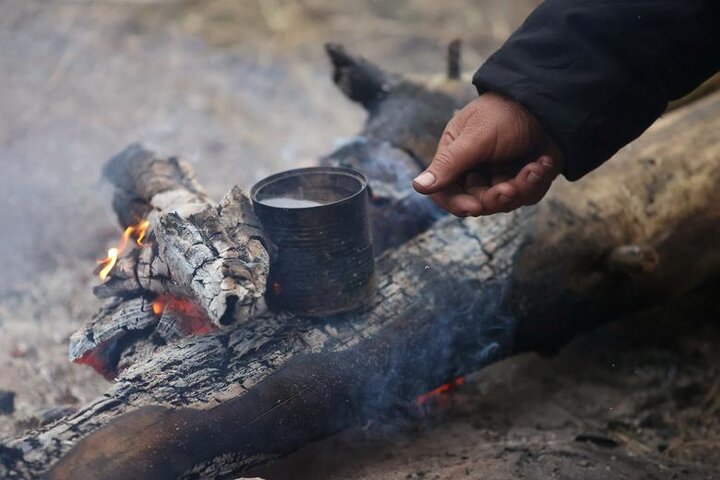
[[242, 90]]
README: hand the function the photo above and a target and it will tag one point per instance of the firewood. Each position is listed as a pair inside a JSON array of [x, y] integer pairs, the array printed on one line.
[[459, 296], [106, 335], [214, 254]]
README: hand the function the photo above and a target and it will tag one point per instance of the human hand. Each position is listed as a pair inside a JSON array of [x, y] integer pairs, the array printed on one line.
[[493, 157]]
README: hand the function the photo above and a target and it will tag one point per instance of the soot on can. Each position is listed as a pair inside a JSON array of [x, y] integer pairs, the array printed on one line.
[[318, 219]]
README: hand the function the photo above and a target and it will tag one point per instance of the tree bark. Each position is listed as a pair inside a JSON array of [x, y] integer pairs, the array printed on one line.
[[457, 297]]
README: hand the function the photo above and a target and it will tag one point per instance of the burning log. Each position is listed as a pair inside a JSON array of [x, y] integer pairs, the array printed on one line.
[[100, 343], [450, 300], [212, 259], [214, 254]]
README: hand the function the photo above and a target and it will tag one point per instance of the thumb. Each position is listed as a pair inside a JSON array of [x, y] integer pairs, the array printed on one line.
[[450, 162]]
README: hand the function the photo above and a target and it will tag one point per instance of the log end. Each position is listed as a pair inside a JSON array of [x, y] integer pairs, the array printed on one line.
[[359, 79]]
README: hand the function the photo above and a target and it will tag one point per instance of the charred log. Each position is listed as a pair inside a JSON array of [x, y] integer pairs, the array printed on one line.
[[279, 370], [454, 60], [214, 254], [145, 185], [397, 212], [391, 101]]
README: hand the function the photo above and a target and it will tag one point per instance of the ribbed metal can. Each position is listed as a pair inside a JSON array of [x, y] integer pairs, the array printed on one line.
[[318, 219]]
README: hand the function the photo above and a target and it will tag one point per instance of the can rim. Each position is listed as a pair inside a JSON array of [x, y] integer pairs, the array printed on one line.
[[296, 172]]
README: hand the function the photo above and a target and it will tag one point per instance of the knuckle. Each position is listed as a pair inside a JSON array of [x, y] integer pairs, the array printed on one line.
[[457, 211], [453, 123], [443, 160]]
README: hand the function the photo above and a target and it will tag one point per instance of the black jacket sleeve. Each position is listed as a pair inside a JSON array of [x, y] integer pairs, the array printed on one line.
[[597, 73]]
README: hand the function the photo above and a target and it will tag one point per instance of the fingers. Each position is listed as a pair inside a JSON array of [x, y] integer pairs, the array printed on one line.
[[526, 188], [499, 178], [450, 162], [458, 152], [476, 183], [487, 194], [458, 202], [464, 198], [500, 138]]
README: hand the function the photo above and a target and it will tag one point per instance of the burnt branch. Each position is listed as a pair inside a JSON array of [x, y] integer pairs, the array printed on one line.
[[145, 183], [397, 212], [404, 113], [217, 256], [214, 254], [102, 341], [454, 60], [360, 80]]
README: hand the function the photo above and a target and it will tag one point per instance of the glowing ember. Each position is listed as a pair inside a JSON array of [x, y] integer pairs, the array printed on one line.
[[437, 396], [193, 318], [98, 359], [158, 305], [138, 232]]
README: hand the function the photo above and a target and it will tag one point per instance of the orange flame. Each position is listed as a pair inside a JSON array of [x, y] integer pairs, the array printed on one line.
[[108, 262], [423, 402], [194, 320], [158, 305], [141, 229], [138, 231]]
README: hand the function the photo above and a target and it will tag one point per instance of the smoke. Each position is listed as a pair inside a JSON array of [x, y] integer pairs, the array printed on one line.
[[471, 329]]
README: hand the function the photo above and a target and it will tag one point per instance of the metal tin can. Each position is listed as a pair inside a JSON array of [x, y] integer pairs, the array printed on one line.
[[318, 219]]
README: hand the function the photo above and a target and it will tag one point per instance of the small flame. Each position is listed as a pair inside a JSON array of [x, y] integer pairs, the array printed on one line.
[[424, 402], [108, 262], [176, 304], [141, 230], [138, 232]]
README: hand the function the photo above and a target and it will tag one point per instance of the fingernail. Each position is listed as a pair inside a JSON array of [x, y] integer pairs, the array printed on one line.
[[425, 179], [547, 161], [503, 199], [533, 177]]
